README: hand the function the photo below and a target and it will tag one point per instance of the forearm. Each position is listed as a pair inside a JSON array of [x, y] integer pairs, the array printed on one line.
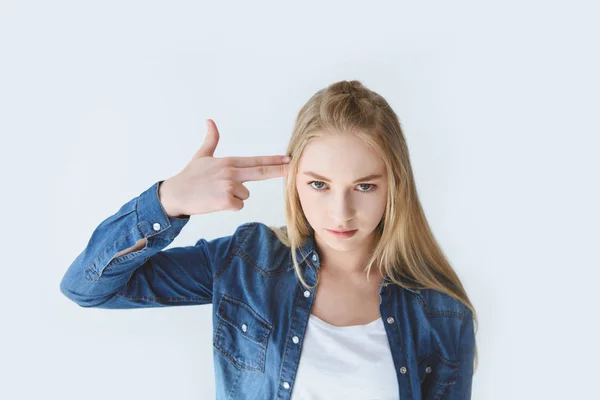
[[121, 239]]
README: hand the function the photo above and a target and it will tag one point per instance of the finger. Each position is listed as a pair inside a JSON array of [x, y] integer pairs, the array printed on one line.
[[240, 191], [260, 173], [235, 203], [207, 149], [257, 161]]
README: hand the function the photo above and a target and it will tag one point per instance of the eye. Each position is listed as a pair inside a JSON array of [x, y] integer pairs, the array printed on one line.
[[366, 184], [310, 183], [370, 185]]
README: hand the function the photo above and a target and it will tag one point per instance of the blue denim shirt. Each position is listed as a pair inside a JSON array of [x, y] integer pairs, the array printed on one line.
[[260, 309]]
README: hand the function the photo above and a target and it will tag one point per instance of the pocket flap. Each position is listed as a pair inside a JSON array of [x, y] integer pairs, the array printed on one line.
[[435, 367], [241, 316]]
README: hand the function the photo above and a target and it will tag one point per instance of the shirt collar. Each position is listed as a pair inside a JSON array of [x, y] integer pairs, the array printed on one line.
[[308, 253]]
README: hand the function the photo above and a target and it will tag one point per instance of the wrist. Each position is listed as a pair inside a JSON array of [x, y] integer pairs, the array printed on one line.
[[166, 200]]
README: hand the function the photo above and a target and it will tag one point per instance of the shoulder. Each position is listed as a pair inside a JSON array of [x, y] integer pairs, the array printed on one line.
[[260, 247], [251, 238], [438, 304], [443, 317], [254, 232]]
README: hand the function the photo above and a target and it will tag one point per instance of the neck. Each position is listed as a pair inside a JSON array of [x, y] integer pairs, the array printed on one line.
[[349, 264]]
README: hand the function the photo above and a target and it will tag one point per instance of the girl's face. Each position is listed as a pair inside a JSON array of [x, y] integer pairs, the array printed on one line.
[[342, 184]]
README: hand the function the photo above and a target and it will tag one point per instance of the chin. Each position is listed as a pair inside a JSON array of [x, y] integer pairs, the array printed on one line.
[[332, 244]]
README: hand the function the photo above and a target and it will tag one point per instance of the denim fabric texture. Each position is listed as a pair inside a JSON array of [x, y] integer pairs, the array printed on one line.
[[260, 309]]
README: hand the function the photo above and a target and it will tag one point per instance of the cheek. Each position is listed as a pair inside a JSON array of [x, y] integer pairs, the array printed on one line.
[[375, 207], [308, 201]]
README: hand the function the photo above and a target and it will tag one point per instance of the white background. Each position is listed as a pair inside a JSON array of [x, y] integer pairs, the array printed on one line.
[[498, 100]]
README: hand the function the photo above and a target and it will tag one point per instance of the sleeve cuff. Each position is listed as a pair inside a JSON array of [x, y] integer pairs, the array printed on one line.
[[152, 217]]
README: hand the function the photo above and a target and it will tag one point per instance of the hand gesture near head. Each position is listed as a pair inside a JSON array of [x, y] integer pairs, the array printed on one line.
[[208, 184]]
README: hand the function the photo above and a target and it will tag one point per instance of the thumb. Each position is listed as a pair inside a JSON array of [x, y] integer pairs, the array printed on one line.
[[210, 141]]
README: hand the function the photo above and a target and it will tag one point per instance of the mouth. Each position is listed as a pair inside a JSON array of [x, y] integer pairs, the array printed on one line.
[[342, 234]]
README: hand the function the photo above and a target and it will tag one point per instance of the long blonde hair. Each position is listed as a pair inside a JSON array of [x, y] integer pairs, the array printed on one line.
[[406, 247]]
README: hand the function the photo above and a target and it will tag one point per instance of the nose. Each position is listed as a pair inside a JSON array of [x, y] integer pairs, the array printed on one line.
[[341, 208]]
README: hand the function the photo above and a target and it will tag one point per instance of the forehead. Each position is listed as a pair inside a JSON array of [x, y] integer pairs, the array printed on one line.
[[342, 155]]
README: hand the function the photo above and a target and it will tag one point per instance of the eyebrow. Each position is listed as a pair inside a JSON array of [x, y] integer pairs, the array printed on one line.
[[322, 178]]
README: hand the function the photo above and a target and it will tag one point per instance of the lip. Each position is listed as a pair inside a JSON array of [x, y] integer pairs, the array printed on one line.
[[342, 234]]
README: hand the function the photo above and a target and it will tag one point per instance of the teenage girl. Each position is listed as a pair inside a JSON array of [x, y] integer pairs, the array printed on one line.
[[351, 299]]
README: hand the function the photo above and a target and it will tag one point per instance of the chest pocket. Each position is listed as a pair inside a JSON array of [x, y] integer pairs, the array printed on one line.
[[241, 335], [436, 375]]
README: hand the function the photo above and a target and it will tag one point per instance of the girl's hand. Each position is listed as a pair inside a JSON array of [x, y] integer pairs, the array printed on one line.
[[208, 184]]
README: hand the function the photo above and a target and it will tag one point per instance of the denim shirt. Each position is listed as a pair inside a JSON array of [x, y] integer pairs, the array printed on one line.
[[260, 309]]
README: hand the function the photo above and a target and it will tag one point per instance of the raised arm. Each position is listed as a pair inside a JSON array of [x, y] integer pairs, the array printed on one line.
[[124, 264], [148, 277]]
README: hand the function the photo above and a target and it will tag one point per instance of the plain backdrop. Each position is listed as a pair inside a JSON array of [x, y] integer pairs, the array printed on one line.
[[498, 101]]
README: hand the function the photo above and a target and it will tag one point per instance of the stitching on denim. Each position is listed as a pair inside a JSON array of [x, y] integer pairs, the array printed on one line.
[[126, 257], [437, 383], [222, 350], [258, 269], [239, 251], [257, 315], [423, 357], [245, 232], [244, 257], [121, 259], [437, 313], [94, 263], [223, 267], [444, 360], [268, 327], [240, 364], [165, 300], [422, 375], [234, 386], [165, 215], [288, 345], [447, 382], [443, 387], [91, 271], [290, 262]]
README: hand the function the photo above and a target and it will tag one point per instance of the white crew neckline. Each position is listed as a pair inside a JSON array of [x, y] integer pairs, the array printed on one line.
[[327, 325]]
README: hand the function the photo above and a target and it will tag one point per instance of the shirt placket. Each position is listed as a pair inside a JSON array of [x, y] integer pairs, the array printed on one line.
[[395, 339], [303, 302]]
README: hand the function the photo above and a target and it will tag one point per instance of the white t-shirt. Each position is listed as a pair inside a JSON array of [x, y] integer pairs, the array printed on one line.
[[345, 362]]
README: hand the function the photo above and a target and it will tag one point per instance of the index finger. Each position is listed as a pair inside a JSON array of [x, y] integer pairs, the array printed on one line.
[[257, 161], [261, 173]]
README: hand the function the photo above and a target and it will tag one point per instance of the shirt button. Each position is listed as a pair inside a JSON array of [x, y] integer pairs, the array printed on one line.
[[314, 257], [286, 385], [295, 339], [428, 369], [156, 226], [390, 320], [403, 370], [306, 293], [244, 327]]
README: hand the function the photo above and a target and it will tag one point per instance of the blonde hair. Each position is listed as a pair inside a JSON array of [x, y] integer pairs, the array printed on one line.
[[406, 247]]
